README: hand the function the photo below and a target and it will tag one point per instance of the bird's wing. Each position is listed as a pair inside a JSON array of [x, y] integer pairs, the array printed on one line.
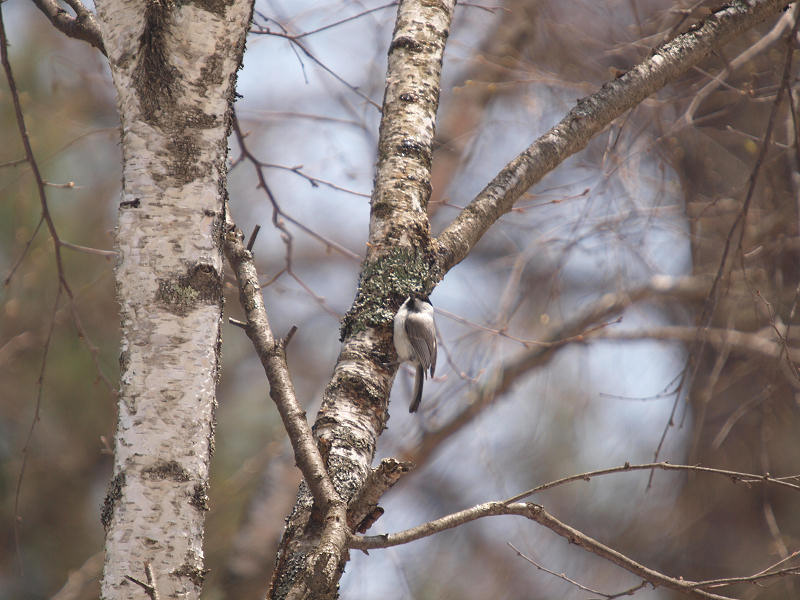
[[422, 335], [433, 354]]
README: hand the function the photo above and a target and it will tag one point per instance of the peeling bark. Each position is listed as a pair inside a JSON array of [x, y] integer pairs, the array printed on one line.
[[174, 68]]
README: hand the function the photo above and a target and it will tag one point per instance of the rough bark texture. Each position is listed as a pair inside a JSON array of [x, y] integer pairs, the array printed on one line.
[[174, 69], [354, 406]]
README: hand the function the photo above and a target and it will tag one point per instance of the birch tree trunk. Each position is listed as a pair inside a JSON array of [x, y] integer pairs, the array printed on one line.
[[400, 259], [174, 68]]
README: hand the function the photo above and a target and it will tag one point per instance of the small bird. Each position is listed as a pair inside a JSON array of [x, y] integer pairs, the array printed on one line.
[[415, 340]]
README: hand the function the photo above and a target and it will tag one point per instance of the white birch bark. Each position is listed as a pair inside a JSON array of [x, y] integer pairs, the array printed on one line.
[[174, 69]]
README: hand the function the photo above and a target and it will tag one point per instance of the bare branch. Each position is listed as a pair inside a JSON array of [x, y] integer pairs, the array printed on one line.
[[313, 181], [273, 358], [534, 512], [379, 480], [88, 250], [252, 239], [735, 477], [83, 26], [754, 343], [261, 29], [35, 420], [580, 586], [363, 13], [25, 250], [333, 538], [538, 514], [591, 115], [761, 575]]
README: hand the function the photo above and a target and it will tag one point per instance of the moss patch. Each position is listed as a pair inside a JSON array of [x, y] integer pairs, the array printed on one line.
[[392, 277], [199, 285]]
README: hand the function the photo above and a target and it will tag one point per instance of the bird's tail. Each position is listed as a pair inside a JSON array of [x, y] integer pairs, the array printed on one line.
[[417, 389]]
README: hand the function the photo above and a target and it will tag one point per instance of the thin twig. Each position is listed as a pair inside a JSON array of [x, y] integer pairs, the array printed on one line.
[[253, 237], [32, 428], [762, 574], [260, 29], [24, 252], [735, 476], [150, 587], [314, 181], [88, 250], [580, 586], [14, 163], [345, 20]]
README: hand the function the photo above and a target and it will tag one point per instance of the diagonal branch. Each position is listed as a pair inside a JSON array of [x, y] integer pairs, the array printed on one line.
[[272, 353], [591, 115], [330, 508], [537, 513], [83, 26]]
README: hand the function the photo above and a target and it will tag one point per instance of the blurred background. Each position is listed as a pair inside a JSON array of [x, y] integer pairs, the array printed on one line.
[[657, 194]]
